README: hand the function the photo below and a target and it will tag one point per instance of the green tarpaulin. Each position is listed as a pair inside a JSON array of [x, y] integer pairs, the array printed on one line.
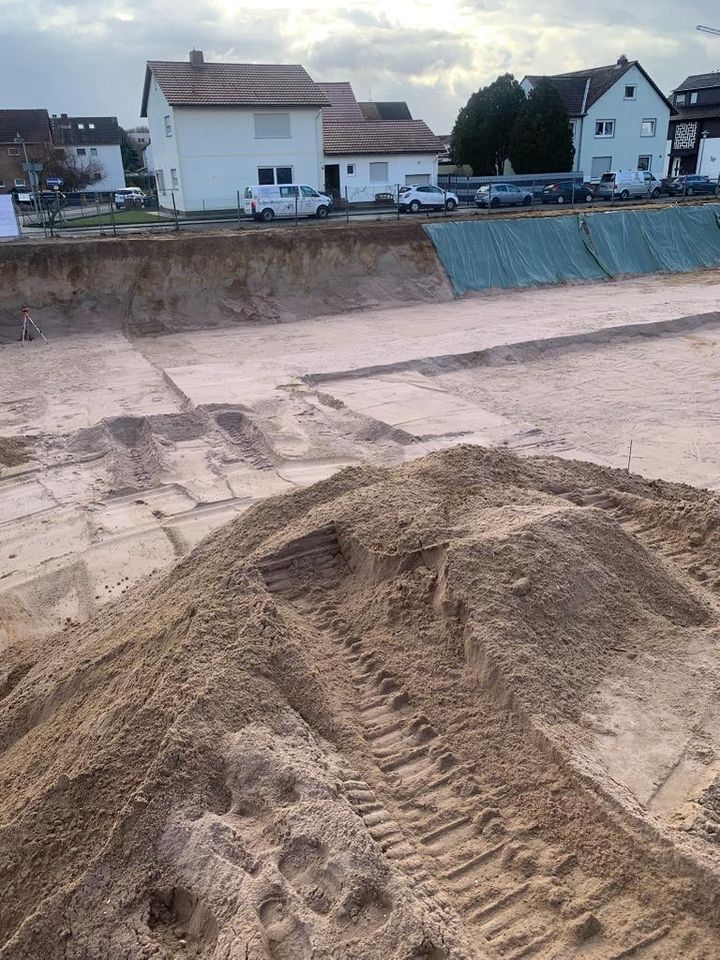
[[519, 252]]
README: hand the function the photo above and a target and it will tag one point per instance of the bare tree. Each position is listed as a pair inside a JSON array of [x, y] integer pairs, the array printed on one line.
[[76, 175]]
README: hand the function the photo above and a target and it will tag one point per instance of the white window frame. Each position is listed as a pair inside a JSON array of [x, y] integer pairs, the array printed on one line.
[[379, 163], [91, 126], [168, 126], [604, 135], [81, 126], [19, 182], [13, 151], [93, 151], [633, 87], [275, 168], [679, 99], [274, 117], [648, 157], [653, 121]]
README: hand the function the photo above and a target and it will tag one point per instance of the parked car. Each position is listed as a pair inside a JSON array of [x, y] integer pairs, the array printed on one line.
[[694, 184], [503, 195], [285, 200], [567, 191], [129, 198], [624, 184], [426, 197]]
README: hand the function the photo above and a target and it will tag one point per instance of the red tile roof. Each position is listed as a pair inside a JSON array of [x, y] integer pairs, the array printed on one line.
[[343, 106], [233, 85], [387, 136]]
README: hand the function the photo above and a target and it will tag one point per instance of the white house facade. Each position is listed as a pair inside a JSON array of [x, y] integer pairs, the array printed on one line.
[[216, 128], [92, 142], [366, 159], [619, 118]]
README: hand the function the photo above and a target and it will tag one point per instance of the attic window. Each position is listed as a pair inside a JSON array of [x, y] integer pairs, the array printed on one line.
[[81, 126], [91, 126], [693, 98], [679, 99], [630, 92]]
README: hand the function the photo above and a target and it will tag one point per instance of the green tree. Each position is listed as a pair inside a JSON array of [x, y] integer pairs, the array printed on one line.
[[542, 140], [482, 131]]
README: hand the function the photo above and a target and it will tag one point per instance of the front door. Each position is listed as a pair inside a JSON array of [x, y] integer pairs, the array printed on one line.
[[332, 179]]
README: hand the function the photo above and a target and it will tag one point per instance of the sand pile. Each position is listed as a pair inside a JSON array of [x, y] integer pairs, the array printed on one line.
[[352, 724]]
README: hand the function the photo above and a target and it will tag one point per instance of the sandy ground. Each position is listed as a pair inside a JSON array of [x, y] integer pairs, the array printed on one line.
[[119, 455]]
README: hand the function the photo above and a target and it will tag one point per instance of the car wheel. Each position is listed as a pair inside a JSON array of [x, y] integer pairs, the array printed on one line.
[[321, 213], [414, 207], [588, 198], [526, 201], [267, 215], [494, 202], [656, 193], [479, 205], [450, 205], [624, 195], [560, 199]]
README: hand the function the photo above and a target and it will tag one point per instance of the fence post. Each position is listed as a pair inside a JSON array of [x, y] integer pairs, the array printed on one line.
[[572, 198], [296, 205], [397, 194], [238, 205], [347, 206], [112, 217], [175, 213]]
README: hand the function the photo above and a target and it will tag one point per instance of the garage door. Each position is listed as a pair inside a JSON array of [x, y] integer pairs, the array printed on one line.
[[599, 166]]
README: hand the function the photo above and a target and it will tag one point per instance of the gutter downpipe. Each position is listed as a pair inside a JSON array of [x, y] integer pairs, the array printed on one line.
[[582, 126]]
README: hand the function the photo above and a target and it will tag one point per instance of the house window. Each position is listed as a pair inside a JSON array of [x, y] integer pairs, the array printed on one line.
[[93, 151], [13, 151], [379, 172], [267, 176], [644, 163], [2, 183], [81, 151], [81, 126], [19, 182], [174, 178], [647, 127], [679, 99], [272, 126], [351, 169], [630, 92], [91, 126], [168, 127], [160, 178], [604, 128]]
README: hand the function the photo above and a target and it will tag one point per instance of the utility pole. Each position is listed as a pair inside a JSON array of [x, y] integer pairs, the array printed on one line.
[[30, 169]]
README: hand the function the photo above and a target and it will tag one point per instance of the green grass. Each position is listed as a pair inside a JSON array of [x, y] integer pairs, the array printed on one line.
[[121, 217]]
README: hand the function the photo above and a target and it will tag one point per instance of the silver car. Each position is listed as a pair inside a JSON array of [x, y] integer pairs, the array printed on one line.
[[503, 195]]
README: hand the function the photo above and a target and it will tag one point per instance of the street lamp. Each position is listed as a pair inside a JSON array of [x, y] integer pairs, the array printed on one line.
[[703, 138]]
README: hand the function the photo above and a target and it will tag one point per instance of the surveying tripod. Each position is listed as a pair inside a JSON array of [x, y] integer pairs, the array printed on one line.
[[27, 323]]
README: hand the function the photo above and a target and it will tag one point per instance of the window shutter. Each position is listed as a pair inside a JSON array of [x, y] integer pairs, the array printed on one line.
[[272, 126]]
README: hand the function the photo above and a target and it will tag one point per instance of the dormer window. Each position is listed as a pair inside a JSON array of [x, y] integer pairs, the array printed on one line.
[[679, 99], [693, 98]]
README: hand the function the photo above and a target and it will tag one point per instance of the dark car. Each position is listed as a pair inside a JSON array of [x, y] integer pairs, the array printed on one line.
[[694, 185], [567, 191]]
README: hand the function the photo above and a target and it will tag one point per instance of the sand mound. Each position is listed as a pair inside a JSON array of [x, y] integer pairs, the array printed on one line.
[[354, 724]]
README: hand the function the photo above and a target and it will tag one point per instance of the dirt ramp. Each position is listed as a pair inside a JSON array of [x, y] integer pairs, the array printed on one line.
[[191, 281]]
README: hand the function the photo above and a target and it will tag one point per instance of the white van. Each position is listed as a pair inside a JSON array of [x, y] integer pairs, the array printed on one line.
[[284, 200], [623, 184]]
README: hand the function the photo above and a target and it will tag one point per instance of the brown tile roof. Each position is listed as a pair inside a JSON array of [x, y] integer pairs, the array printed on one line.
[[388, 136], [385, 110], [233, 85], [343, 105], [32, 125], [76, 131], [582, 88]]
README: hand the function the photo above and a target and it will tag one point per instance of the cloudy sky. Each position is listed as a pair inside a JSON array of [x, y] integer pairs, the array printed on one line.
[[88, 57]]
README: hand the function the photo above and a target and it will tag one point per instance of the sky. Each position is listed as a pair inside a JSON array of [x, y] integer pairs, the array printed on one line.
[[88, 57]]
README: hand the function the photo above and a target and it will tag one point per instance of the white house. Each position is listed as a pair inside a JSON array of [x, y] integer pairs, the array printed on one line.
[[216, 128], [367, 158], [619, 118], [92, 140]]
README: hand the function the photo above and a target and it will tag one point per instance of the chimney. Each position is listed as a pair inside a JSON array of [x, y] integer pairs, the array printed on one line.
[[196, 58], [622, 60]]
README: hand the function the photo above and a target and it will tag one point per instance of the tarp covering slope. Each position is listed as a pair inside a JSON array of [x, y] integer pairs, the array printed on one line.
[[586, 246]]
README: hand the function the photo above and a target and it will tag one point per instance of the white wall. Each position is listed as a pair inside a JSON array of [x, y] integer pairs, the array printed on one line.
[[164, 148], [219, 153], [110, 158], [709, 158], [359, 187], [626, 145]]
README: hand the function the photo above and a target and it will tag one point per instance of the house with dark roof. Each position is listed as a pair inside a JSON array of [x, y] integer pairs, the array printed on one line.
[[92, 142], [218, 127], [619, 117], [372, 153], [694, 132], [22, 132]]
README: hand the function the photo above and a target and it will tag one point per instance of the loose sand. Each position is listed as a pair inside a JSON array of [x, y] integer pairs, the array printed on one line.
[[368, 719]]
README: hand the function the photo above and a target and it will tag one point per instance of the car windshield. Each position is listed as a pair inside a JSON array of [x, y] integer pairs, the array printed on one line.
[[607, 178]]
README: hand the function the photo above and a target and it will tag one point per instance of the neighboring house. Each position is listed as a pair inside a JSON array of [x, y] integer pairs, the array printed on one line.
[[92, 141], [618, 115], [365, 158], [219, 127], [140, 136], [694, 132], [33, 127]]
